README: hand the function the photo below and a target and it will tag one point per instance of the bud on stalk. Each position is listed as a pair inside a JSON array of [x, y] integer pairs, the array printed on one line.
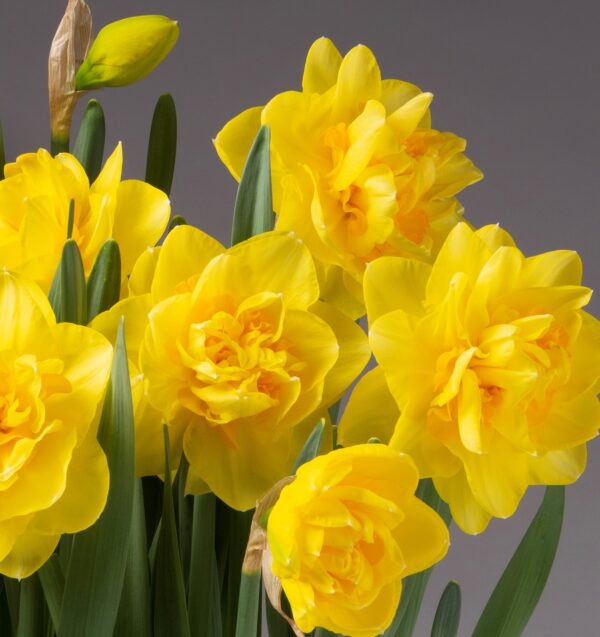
[[67, 52]]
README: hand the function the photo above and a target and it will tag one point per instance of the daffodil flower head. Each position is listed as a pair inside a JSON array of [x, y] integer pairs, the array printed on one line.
[[346, 532], [358, 172], [493, 365], [237, 356], [35, 199], [53, 473]]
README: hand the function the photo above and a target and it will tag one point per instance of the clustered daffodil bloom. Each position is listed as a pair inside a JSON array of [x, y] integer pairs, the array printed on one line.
[[234, 352], [358, 172], [345, 532], [53, 473], [493, 365], [34, 213]]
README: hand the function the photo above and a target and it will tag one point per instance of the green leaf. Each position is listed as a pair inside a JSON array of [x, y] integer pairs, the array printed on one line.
[[203, 596], [183, 509], [311, 446], [176, 220], [253, 212], [71, 219], [413, 587], [104, 283], [519, 589], [89, 145], [168, 589], [323, 632], [447, 615], [5, 621], [73, 297], [2, 155], [248, 605], [135, 615], [162, 145], [99, 554], [31, 609], [232, 532], [12, 589], [53, 584]]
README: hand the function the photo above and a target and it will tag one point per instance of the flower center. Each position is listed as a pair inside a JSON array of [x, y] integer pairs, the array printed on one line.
[[237, 362]]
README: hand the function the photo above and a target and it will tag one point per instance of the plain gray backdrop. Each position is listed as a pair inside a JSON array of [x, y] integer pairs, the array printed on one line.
[[520, 80]]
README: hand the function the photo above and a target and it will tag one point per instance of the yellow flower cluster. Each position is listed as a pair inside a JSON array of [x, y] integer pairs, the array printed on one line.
[[358, 172]]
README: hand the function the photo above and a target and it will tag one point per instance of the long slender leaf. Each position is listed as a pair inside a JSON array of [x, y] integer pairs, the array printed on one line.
[[413, 587], [323, 632], [248, 605], [104, 283], [89, 145], [233, 530], [99, 555], [203, 596], [135, 615], [53, 584], [277, 625], [311, 446], [168, 588], [162, 145], [447, 615], [5, 622], [73, 297], [176, 220], [183, 508], [31, 609], [253, 212], [519, 589], [2, 155], [12, 589]]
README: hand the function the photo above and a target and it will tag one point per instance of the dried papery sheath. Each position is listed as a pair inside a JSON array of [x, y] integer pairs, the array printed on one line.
[[67, 52]]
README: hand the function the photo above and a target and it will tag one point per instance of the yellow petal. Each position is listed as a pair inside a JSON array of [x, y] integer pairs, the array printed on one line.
[[469, 413], [234, 140], [468, 514], [183, 255], [269, 262], [395, 283], [558, 467], [84, 496], [354, 351], [321, 68], [422, 536], [396, 93], [142, 274], [110, 175], [371, 411], [406, 117], [560, 267], [141, 216], [359, 80], [31, 550]]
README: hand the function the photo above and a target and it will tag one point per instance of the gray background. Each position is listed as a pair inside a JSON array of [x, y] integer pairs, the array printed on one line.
[[519, 80]]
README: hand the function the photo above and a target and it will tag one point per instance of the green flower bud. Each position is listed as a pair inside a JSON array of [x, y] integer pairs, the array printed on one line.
[[126, 51]]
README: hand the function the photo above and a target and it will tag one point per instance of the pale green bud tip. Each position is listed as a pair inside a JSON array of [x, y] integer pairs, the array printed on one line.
[[126, 51]]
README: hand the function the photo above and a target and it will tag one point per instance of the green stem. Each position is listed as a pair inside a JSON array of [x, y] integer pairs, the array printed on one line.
[[59, 144]]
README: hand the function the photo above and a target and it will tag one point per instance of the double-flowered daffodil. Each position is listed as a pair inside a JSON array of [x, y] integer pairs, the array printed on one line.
[[234, 352], [493, 365], [53, 473], [358, 172], [345, 532], [35, 199]]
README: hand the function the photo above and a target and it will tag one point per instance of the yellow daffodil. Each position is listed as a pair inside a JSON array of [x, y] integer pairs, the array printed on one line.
[[493, 365], [126, 51], [345, 532], [53, 473], [233, 350], [34, 213], [358, 172]]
